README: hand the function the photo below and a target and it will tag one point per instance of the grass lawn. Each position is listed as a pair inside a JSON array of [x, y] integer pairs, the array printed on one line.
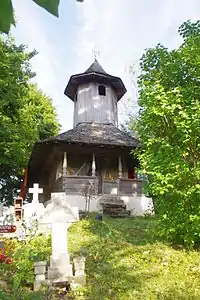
[[125, 261]]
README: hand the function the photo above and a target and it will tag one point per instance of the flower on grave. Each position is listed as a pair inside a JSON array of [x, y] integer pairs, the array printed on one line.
[[2, 257], [8, 261], [5, 258]]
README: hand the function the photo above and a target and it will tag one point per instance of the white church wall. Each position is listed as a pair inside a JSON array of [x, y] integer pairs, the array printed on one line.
[[139, 205], [79, 201], [91, 107]]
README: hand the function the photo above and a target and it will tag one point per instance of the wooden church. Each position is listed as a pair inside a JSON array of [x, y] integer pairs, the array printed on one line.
[[94, 152]]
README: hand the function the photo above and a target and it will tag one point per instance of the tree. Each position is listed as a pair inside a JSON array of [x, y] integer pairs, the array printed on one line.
[[26, 114], [168, 127], [130, 105], [7, 12]]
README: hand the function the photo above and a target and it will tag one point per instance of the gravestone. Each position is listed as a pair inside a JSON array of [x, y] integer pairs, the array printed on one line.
[[1, 247], [34, 210], [1, 209], [1, 214], [7, 215], [60, 215]]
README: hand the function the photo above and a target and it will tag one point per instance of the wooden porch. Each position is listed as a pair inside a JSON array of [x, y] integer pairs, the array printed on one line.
[[78, 185], [105, 175]]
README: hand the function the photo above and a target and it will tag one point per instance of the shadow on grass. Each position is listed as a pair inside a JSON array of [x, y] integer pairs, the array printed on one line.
[[113, 271], [112, 281], [137, 230], [125, 260]]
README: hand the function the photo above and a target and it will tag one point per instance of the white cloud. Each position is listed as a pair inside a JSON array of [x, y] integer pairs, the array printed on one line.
[[32, 29], [121, 30]]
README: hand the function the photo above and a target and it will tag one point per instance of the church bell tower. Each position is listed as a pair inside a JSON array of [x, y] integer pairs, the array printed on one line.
[[95, 95]]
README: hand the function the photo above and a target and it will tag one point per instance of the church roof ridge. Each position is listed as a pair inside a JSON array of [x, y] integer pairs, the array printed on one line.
[[95, 68]]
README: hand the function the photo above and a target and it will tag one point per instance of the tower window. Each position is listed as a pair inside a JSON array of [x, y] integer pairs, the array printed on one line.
[[102, 90]]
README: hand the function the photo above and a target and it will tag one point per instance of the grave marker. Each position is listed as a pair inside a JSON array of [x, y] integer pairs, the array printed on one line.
[[34, 209], [35, 191], [1, 209], [60, 215], [1, 247]]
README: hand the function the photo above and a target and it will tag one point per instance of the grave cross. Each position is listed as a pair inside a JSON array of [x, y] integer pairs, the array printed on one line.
[[60, 215], [1, 209], [35, 191]]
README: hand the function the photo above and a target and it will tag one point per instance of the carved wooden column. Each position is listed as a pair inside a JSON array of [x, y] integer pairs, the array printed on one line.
[[120, 166], [64, 172], [65, 164], [93, 165]]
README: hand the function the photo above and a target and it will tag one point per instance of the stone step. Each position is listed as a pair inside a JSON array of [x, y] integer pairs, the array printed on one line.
[[113, 206], [117, 213], [111, 199]]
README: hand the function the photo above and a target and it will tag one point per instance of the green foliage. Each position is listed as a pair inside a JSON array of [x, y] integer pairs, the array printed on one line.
[[7, 12], [26, 114], [6, 15], [21, 271], [50, 5], [168, 128]]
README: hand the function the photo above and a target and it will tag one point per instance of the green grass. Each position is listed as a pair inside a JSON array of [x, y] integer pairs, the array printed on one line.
[[125, 261]]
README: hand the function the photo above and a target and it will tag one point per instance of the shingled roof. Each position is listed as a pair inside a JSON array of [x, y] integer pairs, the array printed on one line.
[[102, 137], [95, 68], [95, 134]]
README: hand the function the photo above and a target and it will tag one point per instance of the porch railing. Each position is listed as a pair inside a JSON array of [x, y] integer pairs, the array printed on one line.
[[78, 184], [109, 187], [130, 186]]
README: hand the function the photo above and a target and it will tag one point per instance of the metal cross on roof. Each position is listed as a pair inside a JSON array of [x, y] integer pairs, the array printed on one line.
[[96, 52], [35, 191]]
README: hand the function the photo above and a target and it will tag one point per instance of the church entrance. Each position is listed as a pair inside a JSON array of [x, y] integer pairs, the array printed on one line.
[[107, 174]]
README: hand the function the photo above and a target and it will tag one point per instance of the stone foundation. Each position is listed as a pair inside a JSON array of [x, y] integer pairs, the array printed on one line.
[[55, 276]]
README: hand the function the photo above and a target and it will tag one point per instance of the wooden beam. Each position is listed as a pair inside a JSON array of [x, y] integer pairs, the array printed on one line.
[[65, 164], [120, 166]]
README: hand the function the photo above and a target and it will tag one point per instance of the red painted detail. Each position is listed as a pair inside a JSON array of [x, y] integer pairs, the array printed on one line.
[[7, 228]]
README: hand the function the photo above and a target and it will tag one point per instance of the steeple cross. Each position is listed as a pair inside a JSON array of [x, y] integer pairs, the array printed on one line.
[[95, 52], [35, 191]]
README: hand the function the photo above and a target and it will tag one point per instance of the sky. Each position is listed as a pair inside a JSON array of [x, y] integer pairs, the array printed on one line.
[[120, 30]]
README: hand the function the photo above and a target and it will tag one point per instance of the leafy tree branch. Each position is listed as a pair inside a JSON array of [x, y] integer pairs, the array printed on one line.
[[7, 12]]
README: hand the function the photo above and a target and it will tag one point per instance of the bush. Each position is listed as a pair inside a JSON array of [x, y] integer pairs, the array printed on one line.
[[23, 255]]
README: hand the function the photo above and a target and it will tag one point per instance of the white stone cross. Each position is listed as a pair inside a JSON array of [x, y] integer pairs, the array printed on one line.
[[35, 191], [60, 215]]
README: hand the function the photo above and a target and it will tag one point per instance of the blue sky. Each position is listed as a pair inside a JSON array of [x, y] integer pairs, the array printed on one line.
[[120, 29]]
